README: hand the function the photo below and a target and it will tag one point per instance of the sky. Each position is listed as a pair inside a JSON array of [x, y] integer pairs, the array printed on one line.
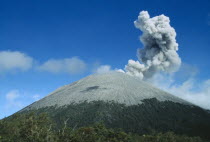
[[45, 44]]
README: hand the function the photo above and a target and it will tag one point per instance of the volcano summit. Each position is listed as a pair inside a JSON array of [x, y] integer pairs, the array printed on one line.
[[114, 86]]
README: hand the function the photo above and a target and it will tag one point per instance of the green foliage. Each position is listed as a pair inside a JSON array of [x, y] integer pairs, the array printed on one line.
[[166, 137], [99, 133], [27, 128], [34, 127], [39, 128]]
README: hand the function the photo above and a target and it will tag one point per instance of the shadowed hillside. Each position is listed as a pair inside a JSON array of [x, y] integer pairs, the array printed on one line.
[[150, 116]]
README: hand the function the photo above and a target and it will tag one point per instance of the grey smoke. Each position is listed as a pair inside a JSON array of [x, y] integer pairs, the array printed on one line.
[[160, 47]]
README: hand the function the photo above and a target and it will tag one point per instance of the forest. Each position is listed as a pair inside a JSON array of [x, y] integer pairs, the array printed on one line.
[[32, 127]]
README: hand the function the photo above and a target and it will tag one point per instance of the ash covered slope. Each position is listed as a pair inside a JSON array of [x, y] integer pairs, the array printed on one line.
[[113, 86]]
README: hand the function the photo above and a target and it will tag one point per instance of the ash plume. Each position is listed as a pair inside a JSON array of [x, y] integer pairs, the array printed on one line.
[[160, 47]]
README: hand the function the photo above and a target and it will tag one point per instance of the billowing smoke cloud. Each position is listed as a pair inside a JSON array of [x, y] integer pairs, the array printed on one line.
[[160, 48]]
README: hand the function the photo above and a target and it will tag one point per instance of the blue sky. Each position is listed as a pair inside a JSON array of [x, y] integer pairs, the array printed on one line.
[[90, 34]]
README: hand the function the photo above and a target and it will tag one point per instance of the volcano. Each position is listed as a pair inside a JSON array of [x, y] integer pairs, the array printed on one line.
[[122, 101]]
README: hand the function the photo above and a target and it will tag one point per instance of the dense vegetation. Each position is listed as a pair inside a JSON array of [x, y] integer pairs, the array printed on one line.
[[152, 115], [30, 127]]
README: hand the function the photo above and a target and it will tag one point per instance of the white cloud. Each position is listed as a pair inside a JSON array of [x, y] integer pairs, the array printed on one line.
[[36, 97], [103, 69], [14, 60], [12, 100], [120, 70], [18, 61], [192, 90], [12, 95], [72, 65]]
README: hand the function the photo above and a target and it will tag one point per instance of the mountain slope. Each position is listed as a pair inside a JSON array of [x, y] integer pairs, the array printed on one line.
[[122, 101]]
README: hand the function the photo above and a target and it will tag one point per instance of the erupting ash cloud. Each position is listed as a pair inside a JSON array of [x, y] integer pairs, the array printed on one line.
[[160, 48]]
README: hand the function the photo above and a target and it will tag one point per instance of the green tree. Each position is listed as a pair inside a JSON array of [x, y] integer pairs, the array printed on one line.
[[27, 128]]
